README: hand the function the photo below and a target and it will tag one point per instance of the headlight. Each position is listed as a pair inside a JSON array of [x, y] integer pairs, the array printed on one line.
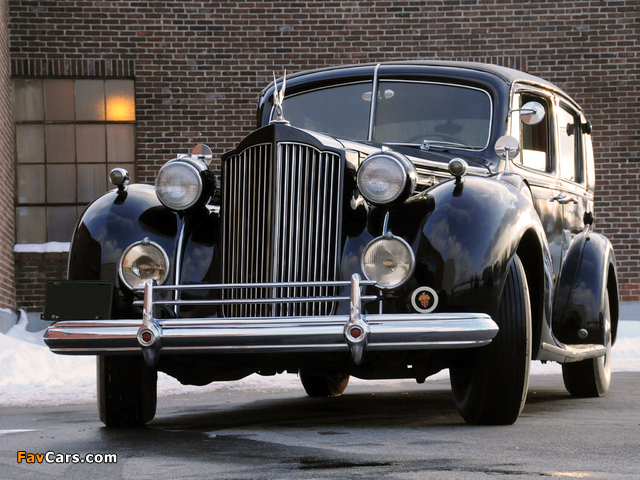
[[388, 261], [143, 261], [385, 177], [178, 185]]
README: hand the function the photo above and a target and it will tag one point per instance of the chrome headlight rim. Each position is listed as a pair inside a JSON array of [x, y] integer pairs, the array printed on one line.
[[199, 185], [411, 255], [407, 181], [145, 243]]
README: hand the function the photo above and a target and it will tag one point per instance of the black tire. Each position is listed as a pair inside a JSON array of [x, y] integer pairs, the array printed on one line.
[[127, 391], [319, 383], [592, 377], [490, 383]]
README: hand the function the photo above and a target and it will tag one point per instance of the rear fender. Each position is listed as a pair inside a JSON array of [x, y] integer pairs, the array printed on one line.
[[588, 270]]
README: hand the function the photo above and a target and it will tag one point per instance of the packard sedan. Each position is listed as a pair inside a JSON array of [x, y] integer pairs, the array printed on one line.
[[383, 221]]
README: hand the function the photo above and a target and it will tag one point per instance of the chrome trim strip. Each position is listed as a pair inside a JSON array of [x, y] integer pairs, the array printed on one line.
[[219, 286], [289, 334], [374, 101], [178, 264], [574, 353], [385, 225], [255, 301]]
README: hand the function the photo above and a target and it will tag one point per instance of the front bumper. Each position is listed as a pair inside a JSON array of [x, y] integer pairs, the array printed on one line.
[[336, 333]]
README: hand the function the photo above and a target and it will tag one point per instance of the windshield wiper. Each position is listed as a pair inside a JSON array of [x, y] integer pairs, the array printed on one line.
[[440, 144], [444, 147], [427, 144]]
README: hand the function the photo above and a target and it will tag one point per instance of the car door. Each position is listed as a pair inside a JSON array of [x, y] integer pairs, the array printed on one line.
[[537, 162], [575, 196]]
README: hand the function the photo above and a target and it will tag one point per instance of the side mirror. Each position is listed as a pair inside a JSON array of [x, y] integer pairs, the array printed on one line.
[[202, 152], [507, 148], [531, 113]]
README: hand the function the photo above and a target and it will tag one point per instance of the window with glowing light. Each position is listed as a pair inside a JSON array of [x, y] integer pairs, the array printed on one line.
[[69, 133]]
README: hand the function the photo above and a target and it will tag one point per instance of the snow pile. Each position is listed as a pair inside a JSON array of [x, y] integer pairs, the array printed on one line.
[[31, 375], [50, 247]]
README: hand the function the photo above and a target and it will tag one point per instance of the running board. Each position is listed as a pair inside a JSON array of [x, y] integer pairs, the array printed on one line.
[[574, 353]]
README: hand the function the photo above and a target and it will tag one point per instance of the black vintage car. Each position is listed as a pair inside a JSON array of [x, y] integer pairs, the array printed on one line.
[[383, 221]]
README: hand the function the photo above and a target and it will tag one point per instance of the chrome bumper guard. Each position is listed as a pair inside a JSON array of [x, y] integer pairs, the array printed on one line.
[[334, 333]]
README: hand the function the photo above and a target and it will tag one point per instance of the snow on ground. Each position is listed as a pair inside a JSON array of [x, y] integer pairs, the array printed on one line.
[[31, 375], [50, 247]]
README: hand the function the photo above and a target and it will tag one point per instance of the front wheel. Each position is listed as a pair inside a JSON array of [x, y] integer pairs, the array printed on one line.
[[592, 377], [490, 383], [127, 391], [320, 383]]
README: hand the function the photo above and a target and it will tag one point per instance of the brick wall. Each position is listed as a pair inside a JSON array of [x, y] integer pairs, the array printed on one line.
[[7, 290], [199, 66], [32, 272]]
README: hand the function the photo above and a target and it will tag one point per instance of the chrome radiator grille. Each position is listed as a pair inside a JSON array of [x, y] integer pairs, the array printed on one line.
[[281, 224]]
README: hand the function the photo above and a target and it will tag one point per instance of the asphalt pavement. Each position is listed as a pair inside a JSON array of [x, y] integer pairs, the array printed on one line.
[[396, 430]]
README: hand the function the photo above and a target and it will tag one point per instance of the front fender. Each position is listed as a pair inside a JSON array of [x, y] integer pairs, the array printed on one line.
[[463, 236], [109, 225], [588, 270]]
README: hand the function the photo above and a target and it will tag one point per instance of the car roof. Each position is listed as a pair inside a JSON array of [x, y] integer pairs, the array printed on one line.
[[509, 75]]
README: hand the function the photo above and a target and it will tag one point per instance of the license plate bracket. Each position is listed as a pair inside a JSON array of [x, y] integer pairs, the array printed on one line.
[[78, 300]]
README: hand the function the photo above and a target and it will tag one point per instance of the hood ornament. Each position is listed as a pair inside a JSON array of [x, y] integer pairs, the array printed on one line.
[[278, 98]]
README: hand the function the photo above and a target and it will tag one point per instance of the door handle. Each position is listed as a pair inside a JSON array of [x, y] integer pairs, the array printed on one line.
[[563, 199]]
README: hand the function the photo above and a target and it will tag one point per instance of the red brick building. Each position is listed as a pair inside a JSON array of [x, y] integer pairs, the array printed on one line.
[[194, 70], [7, 208]]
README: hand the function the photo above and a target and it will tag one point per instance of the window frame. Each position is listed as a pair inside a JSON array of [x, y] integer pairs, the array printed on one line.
[[547, 97], [48, 120], [579, 160]]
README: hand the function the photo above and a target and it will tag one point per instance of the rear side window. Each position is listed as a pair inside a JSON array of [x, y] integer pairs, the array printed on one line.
[[569, 145]]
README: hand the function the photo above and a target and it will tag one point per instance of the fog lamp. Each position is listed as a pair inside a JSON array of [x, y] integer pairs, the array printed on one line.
[[143, 261], [388, 261]]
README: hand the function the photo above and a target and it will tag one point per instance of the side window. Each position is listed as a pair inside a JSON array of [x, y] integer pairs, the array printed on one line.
[[568, 145], [535, 139]]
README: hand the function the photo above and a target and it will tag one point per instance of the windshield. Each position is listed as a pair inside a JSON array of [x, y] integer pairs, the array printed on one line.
[[338, 111], [406, 113], [409, 112]]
